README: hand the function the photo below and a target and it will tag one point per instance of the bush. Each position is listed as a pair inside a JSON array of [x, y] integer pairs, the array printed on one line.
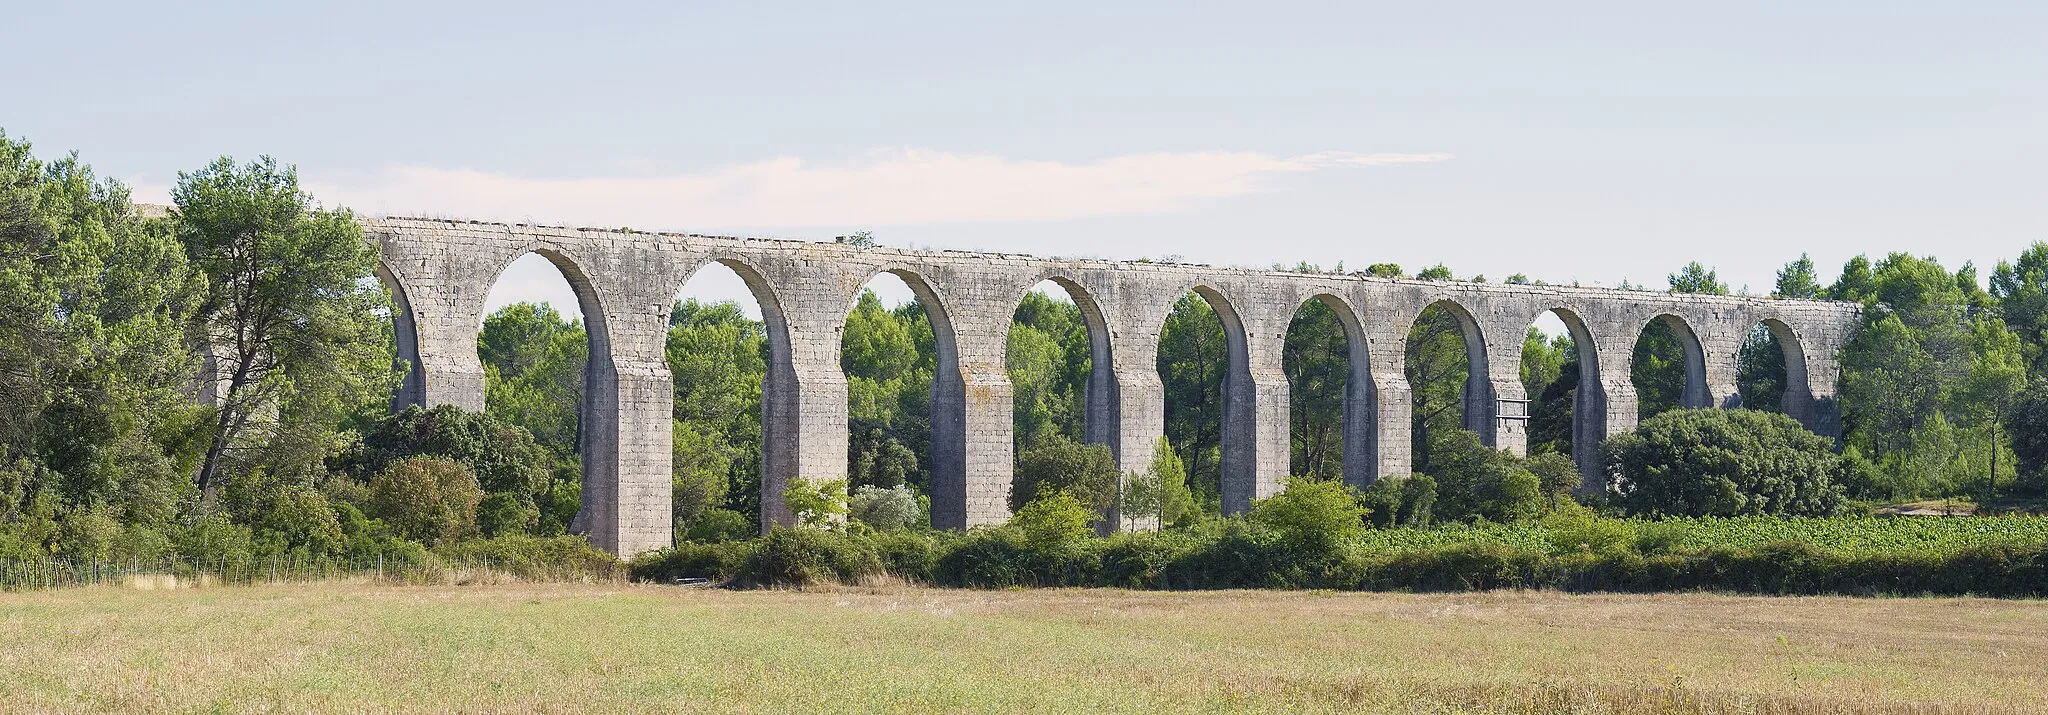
[[885, 509], [551, 558], [803, 557], [431, 500], [815, 505], [1399, 500], [1313, 515], [718, 525], [1058, 464], [504, 457], [1723, 463], [1053, 520], [506, 513], [1475, 481]]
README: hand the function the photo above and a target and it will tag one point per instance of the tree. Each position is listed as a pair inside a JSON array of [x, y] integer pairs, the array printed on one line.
[[1053, 519], [534, 360], [504, 457], [293, 320], [885, 509], [431, 500], [816, 504], [1438, 368], [1723, 463], [1760, 374], [1478, 482], [2021, 288], [1696, 278], [1400, 500], [718, 357], [1316, 356], [93, 361], [1058, 464], [1176, 503], [1192, 360], [1796, 280], [2028, 419]]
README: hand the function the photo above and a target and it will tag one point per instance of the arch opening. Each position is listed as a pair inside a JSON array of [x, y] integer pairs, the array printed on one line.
[[1668, 368], [541, 359], [1447, 380], [1765, 370], [902, 383], [1560, 372], [1201, 353], [1056, 355], [725, 331], [1324, 357]]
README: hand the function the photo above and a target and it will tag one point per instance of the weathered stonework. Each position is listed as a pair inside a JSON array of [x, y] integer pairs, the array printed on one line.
[[626, 282]]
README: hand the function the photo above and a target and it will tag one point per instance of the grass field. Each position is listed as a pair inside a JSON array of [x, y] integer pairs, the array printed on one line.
[[613, 648]]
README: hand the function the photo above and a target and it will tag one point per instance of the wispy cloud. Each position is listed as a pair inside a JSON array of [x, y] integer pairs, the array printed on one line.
[[892, 187]]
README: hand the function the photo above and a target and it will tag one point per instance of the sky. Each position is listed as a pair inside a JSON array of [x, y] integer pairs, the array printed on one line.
[[1581, 142]]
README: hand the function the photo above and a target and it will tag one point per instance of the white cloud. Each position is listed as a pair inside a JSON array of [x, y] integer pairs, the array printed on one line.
[[891, 187]]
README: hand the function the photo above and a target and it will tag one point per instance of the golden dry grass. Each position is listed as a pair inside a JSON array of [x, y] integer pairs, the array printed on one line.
[[583, 648]]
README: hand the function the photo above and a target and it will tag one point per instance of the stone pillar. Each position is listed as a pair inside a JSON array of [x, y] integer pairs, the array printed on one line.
[[627, 436], [972, 425], [1508, 428], [1823, 413], [1720, 352], [803, 421], [1255, 434], [1391, 404]]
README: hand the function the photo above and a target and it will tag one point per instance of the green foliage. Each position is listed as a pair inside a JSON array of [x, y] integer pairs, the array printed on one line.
[[1797, 280], [296, 321], [1049, 361], [94, 303], [1760, 374], [2021, 287], [816, 504], [431, 500], [2028, 419], [1404, 500], [1316, 356], [1478, 482], [888, 357], [1312, 515], [1723, 463], [1053, 519], [1438, 367], [718, 357], [1192, 361], [1657, 367], [1697, 278], [533, 372], [1176, 502], [885, 509], [717, 525], [503, 456], [1060, 465], [506, 514]]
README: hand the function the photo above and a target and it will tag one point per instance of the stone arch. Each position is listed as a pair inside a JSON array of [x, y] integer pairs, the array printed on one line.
[[949, 488], [1797, 401], [597, 428], [1360, 397], [1238, 465], [781, 428], [412, 388], [1099, 420], [1478, 400], [1589, 398], [1695, 393]]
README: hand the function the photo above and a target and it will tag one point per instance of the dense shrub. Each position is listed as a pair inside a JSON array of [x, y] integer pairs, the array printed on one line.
[[884, 508], [1475, 481], [504, 457], [1053, 520], [1312, 515], [427, 499], [1059, 464], [716, 525], [538, 557], [1723, 463], [1408, 500], [505, 513]]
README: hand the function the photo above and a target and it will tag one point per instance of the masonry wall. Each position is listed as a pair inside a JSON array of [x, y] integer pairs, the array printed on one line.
[[626, 283]]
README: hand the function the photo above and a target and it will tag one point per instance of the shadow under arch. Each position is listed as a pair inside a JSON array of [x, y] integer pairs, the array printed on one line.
[[412, 386], [1694, 393], [1100, 402], [1589, 398], [1479, 405]]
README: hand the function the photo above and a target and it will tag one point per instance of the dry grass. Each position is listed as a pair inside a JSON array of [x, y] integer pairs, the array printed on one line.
[[570, 648]]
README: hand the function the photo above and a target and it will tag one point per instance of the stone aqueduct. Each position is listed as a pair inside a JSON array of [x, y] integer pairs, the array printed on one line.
[[440, 272]]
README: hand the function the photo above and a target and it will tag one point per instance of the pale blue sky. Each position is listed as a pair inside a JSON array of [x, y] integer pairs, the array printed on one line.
[[1590, 142]]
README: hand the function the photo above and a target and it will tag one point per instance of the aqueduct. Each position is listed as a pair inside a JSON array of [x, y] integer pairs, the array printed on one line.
[[440, 273]]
